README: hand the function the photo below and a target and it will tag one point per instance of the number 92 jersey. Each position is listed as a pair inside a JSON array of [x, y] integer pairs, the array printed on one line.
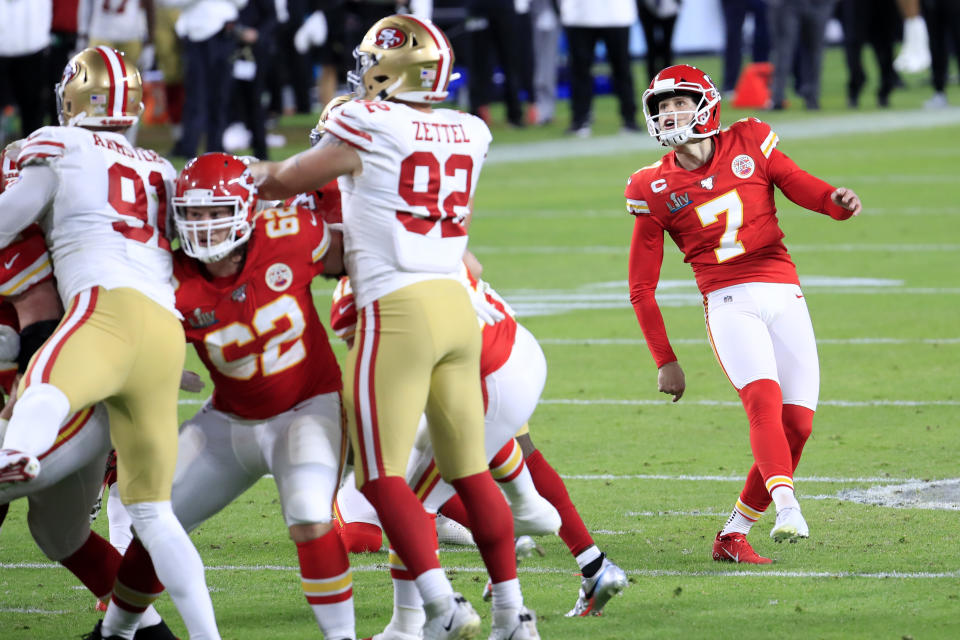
[[258, 333], [108, 221], [403, 212]]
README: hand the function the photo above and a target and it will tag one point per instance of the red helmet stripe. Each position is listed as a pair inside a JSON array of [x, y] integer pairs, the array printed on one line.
[[443, 46], [118, 89]]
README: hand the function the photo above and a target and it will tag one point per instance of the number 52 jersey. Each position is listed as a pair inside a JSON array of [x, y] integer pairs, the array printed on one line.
[[108, 221], [258, 333]]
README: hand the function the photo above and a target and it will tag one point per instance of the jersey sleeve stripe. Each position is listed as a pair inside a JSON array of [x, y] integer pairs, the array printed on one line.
[[345, 139], [354, 132], [769, 144], [637, 206], [321, 249], [36, 272], [41, 141], [24, 160]]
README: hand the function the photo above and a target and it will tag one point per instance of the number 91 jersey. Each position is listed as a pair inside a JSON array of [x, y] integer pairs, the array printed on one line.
[[403, 212], [108, 222], [258, 333]]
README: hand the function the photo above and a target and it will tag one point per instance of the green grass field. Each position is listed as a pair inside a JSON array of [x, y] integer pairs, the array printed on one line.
[[655, 480]]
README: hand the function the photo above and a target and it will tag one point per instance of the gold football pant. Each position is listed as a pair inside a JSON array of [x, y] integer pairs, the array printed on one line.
[[416, 347], [123, 348]]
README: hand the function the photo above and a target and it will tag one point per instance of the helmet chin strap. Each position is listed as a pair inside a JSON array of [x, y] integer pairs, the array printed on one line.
[[674, 139]]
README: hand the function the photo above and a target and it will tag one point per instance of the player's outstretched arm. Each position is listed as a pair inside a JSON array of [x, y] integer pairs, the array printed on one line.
[[306, 171], [846, 198], [671, 381]]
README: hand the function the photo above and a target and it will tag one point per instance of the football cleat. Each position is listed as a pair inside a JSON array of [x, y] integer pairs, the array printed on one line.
[[597, 590], [16, 466], [733, 547], [159, 631], [390, 634], [535, 516], [790, 526], [452, 532], [457, 620], [514, 624], [525, 547], [101, 606]]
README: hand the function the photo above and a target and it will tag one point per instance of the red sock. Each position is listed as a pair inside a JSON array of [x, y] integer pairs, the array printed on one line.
[[550, 485], [137, 585], [454, 509], [324, 563], [404, 521], [95, 563], [797, 425], [361, 537], [493, 531], [763, 403]]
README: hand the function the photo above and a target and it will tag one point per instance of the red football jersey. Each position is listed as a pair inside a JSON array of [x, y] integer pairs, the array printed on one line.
[[325, 202], [24, 263], [722, 216], [258, 332]]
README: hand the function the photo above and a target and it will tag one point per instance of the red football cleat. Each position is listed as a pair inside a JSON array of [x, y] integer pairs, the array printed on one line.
[[734, 547]]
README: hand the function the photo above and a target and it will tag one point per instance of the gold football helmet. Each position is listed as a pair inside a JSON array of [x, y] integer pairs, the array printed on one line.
[[403, 58], [99, 89], [317, 132]]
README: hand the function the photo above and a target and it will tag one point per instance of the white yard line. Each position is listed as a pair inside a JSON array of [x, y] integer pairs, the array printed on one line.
[[712, 478], [734, 403], [695, 341], [797, 248], [648, 573]]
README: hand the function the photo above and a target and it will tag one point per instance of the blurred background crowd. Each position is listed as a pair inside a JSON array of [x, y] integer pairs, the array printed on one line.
[[220, 72]]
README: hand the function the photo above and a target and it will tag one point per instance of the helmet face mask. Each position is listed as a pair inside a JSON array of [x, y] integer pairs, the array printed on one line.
[[682, 80], [403, 58], [99, 89], [214, 180]]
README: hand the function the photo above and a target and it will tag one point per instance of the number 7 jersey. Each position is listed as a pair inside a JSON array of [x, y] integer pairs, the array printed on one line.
[[403, 211], [107, 226]]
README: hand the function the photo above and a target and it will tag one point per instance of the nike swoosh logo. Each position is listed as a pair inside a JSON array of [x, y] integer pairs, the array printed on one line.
[[346, 307], [735, 558], [449, 624], [799, 295], [9, 263], [313, 218]]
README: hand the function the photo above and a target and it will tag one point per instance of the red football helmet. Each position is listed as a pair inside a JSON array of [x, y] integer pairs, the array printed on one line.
[[214, 180], [682, 79]]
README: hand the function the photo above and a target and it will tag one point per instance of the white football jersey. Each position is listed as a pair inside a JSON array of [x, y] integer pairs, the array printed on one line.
[[403, 213], [107, 223]]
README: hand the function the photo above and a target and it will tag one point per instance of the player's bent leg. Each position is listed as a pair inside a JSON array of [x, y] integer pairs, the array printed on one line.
[[305, 453]]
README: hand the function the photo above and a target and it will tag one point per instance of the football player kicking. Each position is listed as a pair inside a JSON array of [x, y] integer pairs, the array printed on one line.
[[714, 195], [408, 174], [103, 206], [243, 286]]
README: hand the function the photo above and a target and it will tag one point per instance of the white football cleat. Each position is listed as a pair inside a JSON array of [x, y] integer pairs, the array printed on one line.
[[514, 624], [451, 620], [790, 526], [597, 590], [452, 532]]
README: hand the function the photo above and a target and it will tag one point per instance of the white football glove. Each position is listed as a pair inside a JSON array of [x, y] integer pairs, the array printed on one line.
[[486, 312]]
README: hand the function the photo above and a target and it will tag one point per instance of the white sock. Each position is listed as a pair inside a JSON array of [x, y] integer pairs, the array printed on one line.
[[587, 556], [120, 532], [36, 419], [434, 588], [119, 622], [150, 618], [737, 523], [178, 566], [784, 498], [506, 595]]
